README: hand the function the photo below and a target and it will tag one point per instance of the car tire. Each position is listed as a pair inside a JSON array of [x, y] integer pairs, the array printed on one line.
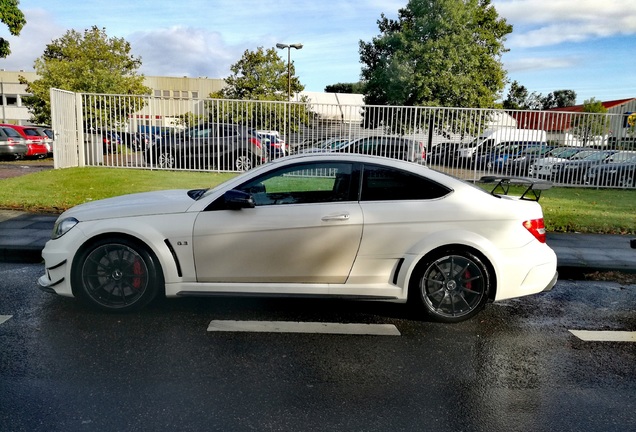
[[450, 285], [243, 162], [626, 181], [116, 275], [166, 159]]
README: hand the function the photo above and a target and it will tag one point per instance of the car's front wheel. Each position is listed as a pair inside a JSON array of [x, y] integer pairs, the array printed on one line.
[[116, 274], [451, 285], [166, 159]]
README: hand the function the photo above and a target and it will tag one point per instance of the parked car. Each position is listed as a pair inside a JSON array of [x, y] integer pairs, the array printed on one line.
[[110, 142], [500, 154], [443, 153], [519, 164], [208, 146], [573, 170], [48, 136], [12, 144], [542, 168], [36, 146], [315, 225], [618, 170], [387, 146], [273, 143]]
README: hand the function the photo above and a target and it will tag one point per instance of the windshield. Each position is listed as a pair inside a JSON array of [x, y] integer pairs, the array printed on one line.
[[622, 157], [582, 155]]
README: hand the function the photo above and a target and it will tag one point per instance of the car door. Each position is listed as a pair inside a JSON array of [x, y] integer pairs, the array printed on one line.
[[305, 227]]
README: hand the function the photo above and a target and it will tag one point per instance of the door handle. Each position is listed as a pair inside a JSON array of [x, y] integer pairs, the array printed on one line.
[[336, 217]]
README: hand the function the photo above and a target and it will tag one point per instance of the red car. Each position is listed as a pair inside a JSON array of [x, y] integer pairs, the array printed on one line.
[[36, 143]]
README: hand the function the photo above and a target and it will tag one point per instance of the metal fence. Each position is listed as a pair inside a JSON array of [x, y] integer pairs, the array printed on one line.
[[572, 149]]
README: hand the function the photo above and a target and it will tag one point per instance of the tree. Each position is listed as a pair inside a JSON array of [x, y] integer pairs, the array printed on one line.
[[437, 53], [88, 62], [13, 17], [520, 99], [593, 123], [357, 88], [260, 75], [559, 99]]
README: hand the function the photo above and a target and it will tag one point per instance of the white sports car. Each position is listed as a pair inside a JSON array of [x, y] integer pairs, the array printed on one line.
[[316, 225]]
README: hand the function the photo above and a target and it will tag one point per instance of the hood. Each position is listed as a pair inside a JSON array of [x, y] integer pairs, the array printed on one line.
[[140, 204]]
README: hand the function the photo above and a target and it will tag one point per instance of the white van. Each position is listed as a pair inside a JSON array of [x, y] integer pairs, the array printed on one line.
[[492, 137]]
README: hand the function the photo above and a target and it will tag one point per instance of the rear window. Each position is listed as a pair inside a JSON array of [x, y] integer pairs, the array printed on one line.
[[31, 132], [389, 184], [11, 132]]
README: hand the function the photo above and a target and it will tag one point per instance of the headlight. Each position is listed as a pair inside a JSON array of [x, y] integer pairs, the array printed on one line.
[[62, 226]]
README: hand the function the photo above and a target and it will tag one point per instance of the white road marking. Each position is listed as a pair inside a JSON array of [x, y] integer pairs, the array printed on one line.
[[4, 318], [604, 336], [303, 327]]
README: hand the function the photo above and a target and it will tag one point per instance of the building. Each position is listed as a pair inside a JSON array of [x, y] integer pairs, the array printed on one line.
[[175, 91]]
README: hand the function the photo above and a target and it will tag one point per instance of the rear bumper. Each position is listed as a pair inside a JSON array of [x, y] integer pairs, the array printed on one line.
[[552, 282]]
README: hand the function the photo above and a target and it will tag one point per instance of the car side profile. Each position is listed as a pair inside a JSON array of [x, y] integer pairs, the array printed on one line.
[[314, 225], [208, 145]]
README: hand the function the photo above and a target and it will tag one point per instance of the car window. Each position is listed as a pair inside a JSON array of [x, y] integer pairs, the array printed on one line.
[[11, 132], [303, 184], [31, 132], [390, 184]]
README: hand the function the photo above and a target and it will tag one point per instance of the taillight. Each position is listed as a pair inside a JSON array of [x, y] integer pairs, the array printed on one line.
[[256, 142], [536, 228], [422, 150]]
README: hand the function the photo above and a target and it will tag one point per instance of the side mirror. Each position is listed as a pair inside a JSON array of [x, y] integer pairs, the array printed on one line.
[[236, 200]]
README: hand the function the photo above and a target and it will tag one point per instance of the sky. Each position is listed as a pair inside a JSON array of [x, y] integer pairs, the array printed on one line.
[[588, 46]]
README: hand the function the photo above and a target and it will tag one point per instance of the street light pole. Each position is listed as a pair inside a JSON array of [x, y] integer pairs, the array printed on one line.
[[289, 47]]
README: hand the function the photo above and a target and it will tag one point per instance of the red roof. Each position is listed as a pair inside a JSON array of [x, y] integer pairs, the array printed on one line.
[[555, 119]]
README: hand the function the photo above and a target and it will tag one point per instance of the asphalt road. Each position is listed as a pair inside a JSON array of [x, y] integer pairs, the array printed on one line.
[[516, 367]]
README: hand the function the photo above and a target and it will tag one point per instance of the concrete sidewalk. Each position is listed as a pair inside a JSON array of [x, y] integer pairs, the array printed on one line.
[[23, 235]]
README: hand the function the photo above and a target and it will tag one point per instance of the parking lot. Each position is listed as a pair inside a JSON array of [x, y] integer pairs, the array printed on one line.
[[517, 367]]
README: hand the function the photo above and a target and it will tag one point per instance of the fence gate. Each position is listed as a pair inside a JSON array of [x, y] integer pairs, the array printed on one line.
[[65, 118]]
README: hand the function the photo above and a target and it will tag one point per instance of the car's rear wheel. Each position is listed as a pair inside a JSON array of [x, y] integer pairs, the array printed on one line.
[[451, 285], [243, 161], [116, 275]]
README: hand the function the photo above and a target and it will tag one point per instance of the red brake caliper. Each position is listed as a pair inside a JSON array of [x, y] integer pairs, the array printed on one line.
[[138, 272]]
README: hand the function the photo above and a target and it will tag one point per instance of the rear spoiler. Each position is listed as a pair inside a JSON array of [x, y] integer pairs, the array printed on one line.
[[534, 187]]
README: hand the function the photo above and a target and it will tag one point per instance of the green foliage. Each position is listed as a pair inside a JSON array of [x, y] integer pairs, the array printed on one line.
[[13, 17], [438, 53], [88, 62], [588, 127], [559, 99], [356, 88], [259, 75], [519, 98]]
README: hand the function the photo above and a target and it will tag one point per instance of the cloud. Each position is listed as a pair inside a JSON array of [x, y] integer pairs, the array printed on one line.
[[551, 22], [183, 51], [39, 31], [527, 64]]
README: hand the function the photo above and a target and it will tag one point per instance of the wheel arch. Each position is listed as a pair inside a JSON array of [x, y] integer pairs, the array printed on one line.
[[421, 262], [114, 236], [465, 240]]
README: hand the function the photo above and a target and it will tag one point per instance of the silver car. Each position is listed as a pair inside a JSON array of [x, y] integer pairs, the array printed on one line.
[[12, 145]]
